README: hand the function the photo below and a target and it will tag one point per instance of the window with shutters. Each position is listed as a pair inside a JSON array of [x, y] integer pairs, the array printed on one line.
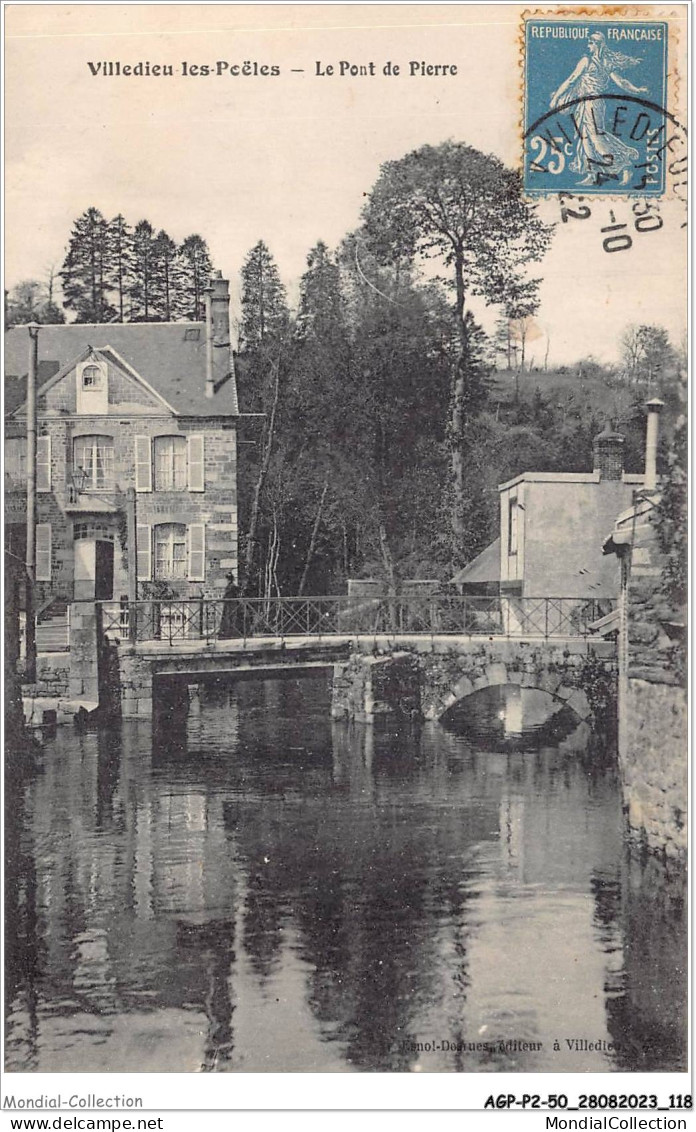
[[143, 538], [170, 551], [143, 464], [196, 463], [43, 552], [43, 463], [196, 547], [16, 462], [93, 463], [513, 515], [170, 463]]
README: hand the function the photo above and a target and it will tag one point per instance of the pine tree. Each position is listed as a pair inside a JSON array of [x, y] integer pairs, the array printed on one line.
[[165, 276], [87, 269], [321, 303], [144, 285], [120, 242], [265, 318], [264, 305], [194, 270]]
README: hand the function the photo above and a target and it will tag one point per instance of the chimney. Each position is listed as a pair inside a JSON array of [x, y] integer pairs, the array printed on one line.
[[608, 454], [217, 325], [654, 408]]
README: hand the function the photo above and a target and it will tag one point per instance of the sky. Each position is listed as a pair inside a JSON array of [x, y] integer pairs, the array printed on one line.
[[288, 158]]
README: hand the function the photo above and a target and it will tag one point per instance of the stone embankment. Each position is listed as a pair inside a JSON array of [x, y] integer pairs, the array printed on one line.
[[654, 731]]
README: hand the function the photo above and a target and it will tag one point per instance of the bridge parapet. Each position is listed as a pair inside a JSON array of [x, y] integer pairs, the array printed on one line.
[[428, 679], [431, 614]]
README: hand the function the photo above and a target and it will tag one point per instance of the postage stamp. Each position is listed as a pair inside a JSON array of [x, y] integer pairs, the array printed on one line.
[[595, 94]]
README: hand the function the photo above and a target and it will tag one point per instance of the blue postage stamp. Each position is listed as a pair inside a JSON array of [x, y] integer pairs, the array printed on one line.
[[594, 106]]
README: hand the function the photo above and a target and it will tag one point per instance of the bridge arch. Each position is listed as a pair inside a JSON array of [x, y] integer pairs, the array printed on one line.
[[557, 673], [565, 695]]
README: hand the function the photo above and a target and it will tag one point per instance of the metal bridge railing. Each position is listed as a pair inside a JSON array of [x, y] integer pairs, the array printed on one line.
[[211, 619]]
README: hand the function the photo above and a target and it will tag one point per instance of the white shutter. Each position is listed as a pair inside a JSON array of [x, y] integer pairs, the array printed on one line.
[[43, 463], [43, 552], [143, 464], [196, 458], [144, 537], [196, 552]]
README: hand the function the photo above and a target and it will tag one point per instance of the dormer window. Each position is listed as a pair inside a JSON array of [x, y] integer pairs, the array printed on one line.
[[92, 387]]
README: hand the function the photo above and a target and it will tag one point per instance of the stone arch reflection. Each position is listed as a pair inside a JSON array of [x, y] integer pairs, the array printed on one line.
[[510, 717]]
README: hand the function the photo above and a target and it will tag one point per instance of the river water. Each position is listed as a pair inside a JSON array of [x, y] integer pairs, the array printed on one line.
[[260, 889]]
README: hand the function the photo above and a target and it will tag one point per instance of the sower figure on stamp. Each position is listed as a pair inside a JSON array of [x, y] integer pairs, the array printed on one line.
[[598, 151]]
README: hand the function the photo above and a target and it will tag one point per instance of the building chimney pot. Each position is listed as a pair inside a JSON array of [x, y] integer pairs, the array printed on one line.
[[654, 408], [608, 454], [218, 345]]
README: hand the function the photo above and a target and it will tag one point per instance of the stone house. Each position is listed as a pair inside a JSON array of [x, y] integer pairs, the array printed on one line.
[[136, 432]]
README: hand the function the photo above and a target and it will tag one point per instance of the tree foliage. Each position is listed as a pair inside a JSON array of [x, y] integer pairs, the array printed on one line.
[[113, 272], [85, 274], [263, 302], [168, 290], [31, 301], [196, 267], [144, 284], [647, 355], [465, 209], [672, 516], [120, 237]]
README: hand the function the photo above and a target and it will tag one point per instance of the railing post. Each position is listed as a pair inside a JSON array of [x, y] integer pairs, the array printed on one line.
[[546, 619]]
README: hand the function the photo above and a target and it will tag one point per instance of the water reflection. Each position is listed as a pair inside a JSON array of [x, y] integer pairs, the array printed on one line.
[[259, 889], [511, 718]]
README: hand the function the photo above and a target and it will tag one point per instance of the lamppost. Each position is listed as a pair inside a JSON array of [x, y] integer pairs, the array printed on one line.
[[30, 559]]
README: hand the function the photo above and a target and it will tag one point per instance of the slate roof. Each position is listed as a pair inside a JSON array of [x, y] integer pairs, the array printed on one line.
[[169, 355], [485, 567]]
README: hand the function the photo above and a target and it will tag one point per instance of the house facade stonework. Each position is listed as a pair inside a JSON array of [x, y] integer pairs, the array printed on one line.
[[136, 444]]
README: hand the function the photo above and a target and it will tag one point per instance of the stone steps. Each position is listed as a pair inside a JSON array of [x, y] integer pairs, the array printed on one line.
[[53, 634]]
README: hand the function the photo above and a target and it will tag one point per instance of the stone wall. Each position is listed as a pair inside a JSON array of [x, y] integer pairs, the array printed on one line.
[[135, 677], [653, 709], [554, 668], [371, 686], [652, 915], [53, 674], [430, 676], [654, 765]]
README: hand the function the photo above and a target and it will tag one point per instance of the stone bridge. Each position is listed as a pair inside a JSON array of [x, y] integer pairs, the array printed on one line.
[[413, 674], [416, 677], [373, 675]]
